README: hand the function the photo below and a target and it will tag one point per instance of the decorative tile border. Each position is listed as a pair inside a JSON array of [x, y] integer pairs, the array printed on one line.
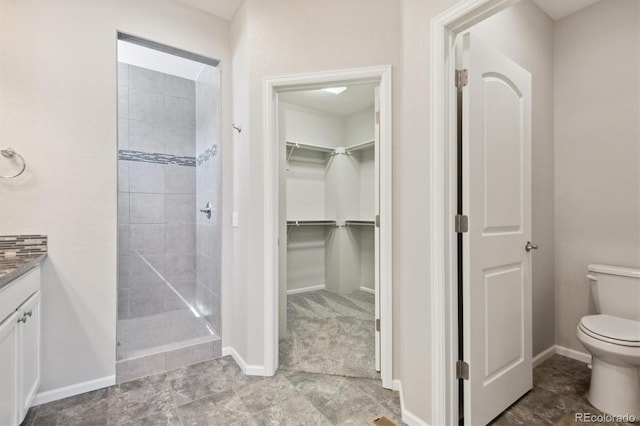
[[154, 157], [23, 245], [207, 154]]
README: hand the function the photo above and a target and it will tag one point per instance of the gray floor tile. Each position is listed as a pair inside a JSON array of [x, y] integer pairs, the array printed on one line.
[[220, 409], [263, 394], [296, 411], [139, 398]]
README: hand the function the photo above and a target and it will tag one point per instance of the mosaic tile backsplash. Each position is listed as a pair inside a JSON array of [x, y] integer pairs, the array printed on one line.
[[22, 245], [207, 154], [157, 158]]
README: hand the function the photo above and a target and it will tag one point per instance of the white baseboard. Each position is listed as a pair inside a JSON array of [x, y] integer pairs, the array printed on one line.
[[544, 355], [72, 390], [249, 370], [367, 290], [573, 354], [306, 289], [407, 416]]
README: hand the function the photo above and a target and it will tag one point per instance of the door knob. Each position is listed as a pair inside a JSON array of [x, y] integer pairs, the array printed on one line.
[[207, 210], [530, 246]]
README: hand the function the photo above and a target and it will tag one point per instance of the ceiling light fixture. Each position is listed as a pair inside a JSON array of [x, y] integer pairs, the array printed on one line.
[[335, 90]]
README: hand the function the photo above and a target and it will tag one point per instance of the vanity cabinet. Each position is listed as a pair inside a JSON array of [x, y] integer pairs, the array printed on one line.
[[19, 346]]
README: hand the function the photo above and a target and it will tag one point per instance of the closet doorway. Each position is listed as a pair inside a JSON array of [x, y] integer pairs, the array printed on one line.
[[328, 308]]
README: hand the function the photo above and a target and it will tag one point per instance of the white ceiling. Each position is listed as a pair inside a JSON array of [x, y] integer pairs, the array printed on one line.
[[225, 9], [558, 9], [355, 98], [156, 60]]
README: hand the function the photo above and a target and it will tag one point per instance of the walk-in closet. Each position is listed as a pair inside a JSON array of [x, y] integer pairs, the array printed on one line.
[[328, 200]]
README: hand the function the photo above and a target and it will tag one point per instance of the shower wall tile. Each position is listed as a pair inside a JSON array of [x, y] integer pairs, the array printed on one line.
[[180, 141], [123, 103], [179, 87], [123, 74], [147, 208], [146, 106], [181, 238], [123, 133], [139, 367], [180, 267], [146, 177], [146, 301], [180, 208], [123, 303], [145, 136], [186, 289], [146, 79], [123, 240], [148, 238], [180, 179], [123, 176], [179, 112], [123, 208]]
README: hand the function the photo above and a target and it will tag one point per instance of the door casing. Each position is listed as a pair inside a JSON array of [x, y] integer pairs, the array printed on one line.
[[443, 199], [271, 87]]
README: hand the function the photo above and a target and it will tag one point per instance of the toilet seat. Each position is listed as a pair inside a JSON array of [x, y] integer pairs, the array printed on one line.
[[618, 331]]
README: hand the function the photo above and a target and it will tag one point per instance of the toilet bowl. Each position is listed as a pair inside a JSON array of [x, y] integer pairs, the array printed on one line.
[[613, 339], [614, 344]]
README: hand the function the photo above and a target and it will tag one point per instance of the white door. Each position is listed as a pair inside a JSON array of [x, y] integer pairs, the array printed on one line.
[[496, 179], [29, 359], [9, 370], [376, 231]]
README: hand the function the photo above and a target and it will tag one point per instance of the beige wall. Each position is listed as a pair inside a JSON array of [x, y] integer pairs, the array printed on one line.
[[597, 151], [524, 33], [58, 109], [362, 34]]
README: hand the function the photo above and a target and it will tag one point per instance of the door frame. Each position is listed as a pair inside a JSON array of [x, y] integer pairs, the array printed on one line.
[[271, 87], [443, 191]]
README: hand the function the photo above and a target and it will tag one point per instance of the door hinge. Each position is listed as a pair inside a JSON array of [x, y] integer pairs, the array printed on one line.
[[462, 370], [377, 221], [377, 324], [377, 117], [462, 223], [462, 78]]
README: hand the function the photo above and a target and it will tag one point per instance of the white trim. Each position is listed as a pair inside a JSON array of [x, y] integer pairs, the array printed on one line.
[[444, 329], [306, 289], [367, 290], [72, 390], [543, 356], [573, 354], [247, 369], [271, 86], [407, 417]]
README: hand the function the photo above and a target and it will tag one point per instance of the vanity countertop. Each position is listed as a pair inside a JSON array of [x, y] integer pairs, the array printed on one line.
[[14, 266]]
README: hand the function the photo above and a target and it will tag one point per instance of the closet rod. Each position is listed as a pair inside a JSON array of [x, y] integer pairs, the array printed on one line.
[[311, 223], [358, 147], [310, 147], [359, 223]]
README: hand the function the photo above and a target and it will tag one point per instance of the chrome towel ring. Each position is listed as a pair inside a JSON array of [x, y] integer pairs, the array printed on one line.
[[10, 153]]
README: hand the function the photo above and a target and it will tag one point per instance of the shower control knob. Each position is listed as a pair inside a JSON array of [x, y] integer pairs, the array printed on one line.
[[207, 210]]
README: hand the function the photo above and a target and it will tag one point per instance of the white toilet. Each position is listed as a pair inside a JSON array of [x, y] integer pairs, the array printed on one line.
[[613, 339]]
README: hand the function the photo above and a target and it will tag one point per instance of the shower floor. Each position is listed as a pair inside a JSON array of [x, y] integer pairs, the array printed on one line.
[[160, 333]]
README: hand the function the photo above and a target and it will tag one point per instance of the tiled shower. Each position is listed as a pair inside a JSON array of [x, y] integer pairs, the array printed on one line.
[[168, 250]]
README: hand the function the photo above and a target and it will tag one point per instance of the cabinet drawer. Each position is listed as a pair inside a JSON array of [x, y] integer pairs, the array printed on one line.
[[19, 290]]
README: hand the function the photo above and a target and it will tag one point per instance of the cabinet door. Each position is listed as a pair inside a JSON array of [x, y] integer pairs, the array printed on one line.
[[8, 370], [28, 353]]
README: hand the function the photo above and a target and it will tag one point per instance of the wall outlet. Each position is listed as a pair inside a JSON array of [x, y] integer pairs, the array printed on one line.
[[234, 220]]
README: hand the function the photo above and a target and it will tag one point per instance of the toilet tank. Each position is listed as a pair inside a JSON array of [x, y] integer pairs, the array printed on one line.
[[616, 290]]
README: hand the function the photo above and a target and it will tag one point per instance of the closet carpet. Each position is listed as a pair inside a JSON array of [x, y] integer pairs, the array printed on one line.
[[330, 333]]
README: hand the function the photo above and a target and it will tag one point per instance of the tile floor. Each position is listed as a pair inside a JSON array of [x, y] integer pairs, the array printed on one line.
[[330, 333], [218, 393], [560, 387]]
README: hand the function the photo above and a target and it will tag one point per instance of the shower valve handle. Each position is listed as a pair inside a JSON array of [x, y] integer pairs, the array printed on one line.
[[207, 210]]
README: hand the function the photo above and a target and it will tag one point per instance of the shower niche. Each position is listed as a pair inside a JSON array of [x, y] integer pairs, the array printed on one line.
[[169, 208]]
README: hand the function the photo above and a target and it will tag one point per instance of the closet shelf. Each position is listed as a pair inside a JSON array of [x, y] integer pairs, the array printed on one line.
[[311, 223], [310, 147], [360, 146], [359, 223]]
